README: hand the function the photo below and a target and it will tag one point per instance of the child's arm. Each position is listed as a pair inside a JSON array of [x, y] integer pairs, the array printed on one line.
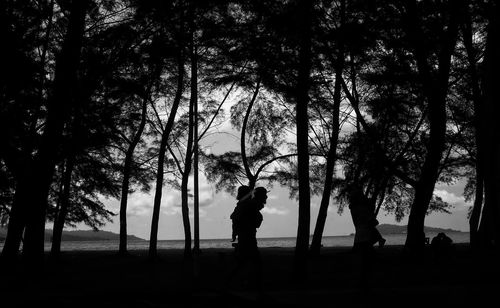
[[233, 235]]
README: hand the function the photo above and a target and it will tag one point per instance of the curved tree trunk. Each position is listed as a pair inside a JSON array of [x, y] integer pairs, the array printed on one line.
[[63, 210], [188, 161], [153, 237], [330, 168], [129, 159], [251, 178], [332, 151], [435, 90]]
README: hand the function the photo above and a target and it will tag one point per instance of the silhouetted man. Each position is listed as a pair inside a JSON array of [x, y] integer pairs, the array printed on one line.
[[247, 219], [363, 217]]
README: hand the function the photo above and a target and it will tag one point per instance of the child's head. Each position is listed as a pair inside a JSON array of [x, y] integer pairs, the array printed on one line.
[[242, 191]]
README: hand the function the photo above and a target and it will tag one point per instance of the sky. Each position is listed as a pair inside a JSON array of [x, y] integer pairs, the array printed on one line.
[[280, 212]]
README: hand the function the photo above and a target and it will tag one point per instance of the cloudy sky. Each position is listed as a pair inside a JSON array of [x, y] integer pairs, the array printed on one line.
[[280, 213]]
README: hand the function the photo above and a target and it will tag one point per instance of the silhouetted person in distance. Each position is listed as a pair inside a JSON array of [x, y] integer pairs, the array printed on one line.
[[376, 236], [363, 217], [244, 197], [248, 218], [366, 234], [441, 245]]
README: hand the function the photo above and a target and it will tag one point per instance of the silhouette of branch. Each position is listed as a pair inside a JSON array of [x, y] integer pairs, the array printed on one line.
[[411, 137], [390, 164], [160, 122], [222, 102], [243, 132], [175, 159], [271, 161], [124, 137]]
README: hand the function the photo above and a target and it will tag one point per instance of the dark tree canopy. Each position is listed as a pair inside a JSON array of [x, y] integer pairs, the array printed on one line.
[[101, 99]]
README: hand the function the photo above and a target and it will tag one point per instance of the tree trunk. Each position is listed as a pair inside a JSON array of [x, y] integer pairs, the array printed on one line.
[[129, 159], [58, 109], [489, 226], [194, 90], [251, 178], [332, 151], [17, 217], [188, 161], [425, 187], [302, 119], [478, 99], [161, 157], [435, 90], [63, 210]]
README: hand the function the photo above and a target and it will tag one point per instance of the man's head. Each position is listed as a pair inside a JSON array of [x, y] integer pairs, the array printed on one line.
[[260, 194]]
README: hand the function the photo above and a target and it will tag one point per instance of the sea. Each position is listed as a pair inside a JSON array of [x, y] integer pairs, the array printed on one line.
[[278, 242]]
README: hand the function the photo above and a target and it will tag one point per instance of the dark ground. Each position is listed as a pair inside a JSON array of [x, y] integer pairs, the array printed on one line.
[[337, 278]]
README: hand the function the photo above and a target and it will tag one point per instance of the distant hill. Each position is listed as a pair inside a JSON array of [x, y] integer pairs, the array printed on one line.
[[398, 229], [80, 235]]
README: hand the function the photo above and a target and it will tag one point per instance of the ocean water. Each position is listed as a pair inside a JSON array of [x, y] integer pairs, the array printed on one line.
[[328, 241]]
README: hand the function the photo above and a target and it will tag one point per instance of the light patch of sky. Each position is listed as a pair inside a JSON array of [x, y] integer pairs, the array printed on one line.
[[280, 213]]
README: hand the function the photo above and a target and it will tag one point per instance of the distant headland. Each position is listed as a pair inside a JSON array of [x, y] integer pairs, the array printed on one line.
[[90, 235], [80, 235], [401, 229]]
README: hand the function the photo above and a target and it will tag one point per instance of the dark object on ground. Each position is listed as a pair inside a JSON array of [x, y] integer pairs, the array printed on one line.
[[441, 244]]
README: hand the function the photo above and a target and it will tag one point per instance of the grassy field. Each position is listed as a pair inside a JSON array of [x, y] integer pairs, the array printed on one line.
[[338, 277]]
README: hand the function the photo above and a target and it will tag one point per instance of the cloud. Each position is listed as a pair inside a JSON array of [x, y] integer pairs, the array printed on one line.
[[274, 211], [451, 198], [172, 210], [141, 204], [140, 210], [272, 197]]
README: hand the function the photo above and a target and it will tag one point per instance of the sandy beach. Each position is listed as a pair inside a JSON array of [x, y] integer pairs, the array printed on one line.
[[338, 277]]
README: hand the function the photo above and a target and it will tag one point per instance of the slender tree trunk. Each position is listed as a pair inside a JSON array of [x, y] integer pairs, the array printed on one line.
[[325, 198], [153, 237], [188, 161], [129, 159], [476, 209], [477, 98], [161, 157], [435, 93], [302, 119], [251, 178], [194, 91], [17, 217], [490, 226], [58, 112], [63, 210], [71, 151], [332, 151], [330, 168]]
